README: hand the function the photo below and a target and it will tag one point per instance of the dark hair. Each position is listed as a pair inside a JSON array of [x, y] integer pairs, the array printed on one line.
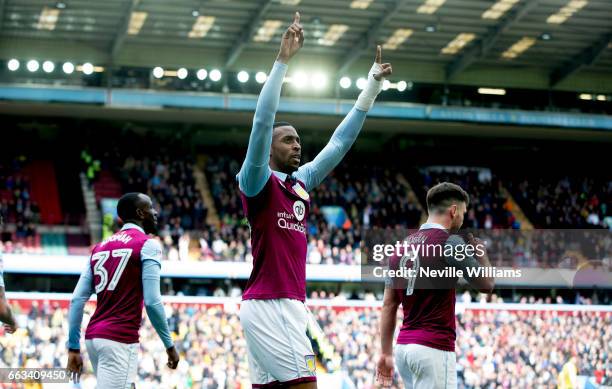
[[281, 124], [442, 195], [127, 206]]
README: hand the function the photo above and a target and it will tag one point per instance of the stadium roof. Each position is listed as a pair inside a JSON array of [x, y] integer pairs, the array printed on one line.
[[565, 44]]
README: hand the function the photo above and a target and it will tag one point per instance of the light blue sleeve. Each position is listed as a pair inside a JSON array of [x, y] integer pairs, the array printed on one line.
[[153, 303], [255, 171], [82, 292], [151, 265], [340, 143]]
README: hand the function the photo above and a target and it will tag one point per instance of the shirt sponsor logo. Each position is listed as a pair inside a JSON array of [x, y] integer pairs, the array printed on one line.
[[287, 221]]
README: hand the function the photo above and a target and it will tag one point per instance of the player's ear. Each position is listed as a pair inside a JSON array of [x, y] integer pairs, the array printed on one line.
[[453, 210], [140, 213]]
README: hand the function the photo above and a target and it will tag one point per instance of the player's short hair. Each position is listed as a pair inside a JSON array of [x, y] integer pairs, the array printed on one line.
[[127, 206], [443, 195], [281, 124]]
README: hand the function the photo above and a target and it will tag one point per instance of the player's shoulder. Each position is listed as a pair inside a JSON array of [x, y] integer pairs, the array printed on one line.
[[151, 249], [455, 240], [263, 193], [95, 248], [435, 235]]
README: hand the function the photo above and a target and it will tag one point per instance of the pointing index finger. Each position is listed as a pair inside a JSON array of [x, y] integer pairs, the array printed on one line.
[[378, 54], [296, 18]]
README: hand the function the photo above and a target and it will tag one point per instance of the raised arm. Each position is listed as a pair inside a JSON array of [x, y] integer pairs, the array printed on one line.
[[346, 133], [255, 170]]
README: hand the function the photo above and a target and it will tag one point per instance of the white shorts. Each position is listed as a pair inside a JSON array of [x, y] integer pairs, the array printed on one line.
[[423, 367], [279, 350], [115, 364]]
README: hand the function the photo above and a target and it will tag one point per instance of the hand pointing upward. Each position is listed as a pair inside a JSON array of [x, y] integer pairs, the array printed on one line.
[[385, 68], [293, 40]]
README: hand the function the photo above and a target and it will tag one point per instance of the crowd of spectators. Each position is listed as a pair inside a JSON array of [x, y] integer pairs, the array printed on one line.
[[170, 182], [495, 348], [568, 202], [489, 208], [549, 248], [19, 212], [369, 196], [513, 349]]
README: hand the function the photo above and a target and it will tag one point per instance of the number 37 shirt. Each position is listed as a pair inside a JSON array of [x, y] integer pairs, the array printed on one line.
[[116, 265]]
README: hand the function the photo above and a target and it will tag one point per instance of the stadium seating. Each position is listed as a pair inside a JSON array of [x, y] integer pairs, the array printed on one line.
[[505, 346], [357, 194], [567, 202], [372, 199], [489, 207]]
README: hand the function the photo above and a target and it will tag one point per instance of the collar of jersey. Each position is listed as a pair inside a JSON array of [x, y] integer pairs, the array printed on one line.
[[127, 226], [427, 226], [282, 176]]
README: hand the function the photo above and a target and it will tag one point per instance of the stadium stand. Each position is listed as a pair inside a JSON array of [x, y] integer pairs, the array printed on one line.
[[366, 200], [498, 345], [567, 202], [489, 208]]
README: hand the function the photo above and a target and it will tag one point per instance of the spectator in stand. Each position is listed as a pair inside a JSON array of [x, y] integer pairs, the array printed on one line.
[[21, 213], [489, 207], [370, 197], [568, 202], [495, 348]]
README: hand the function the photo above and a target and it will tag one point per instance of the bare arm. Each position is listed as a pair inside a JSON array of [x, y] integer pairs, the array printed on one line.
[[6, 316], [388, 318], [483, 284]]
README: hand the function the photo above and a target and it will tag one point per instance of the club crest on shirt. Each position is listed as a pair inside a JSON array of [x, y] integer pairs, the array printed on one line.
[[297, 188], [299, 210], [310, 363]]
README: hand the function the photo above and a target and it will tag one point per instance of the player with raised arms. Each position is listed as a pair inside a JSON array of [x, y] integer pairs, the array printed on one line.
[[425, 352], [274, 191], [123, 271]]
